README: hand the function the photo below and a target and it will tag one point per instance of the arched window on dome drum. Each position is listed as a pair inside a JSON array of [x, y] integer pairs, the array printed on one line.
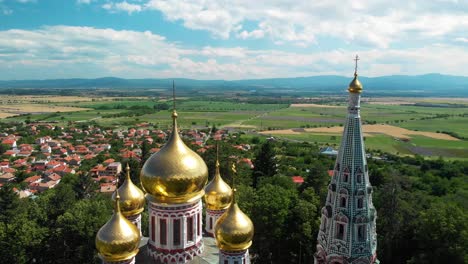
[[153, 228], [162, 232], [176, 227], [190, 228], [198, 225], [211, 223]]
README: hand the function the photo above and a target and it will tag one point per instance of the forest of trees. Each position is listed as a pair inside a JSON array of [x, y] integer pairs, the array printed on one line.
[[422, 208]]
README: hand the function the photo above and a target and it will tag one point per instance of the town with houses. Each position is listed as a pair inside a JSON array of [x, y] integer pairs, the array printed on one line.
[[41, 164]]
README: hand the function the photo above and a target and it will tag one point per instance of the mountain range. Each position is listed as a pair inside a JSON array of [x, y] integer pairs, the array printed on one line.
[[429, 84]]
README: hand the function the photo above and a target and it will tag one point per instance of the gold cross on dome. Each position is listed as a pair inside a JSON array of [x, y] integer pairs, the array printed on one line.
[[356, 60]]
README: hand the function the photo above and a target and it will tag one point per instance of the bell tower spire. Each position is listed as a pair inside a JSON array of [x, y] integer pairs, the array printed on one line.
[[347, 231]]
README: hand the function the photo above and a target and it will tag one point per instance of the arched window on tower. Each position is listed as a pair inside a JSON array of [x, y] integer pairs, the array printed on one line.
[[340, 231], [343, 202], [360, 203], [345, 175], [361, 233], [343, 197], [358, 174], [340, 228]]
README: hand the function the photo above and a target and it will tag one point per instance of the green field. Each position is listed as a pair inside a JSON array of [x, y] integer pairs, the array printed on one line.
[[250, 116]]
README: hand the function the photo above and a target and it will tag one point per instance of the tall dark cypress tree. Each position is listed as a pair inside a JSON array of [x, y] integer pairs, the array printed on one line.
[[264, 163]]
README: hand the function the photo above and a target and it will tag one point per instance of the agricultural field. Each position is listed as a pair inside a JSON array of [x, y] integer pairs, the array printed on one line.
[[399, 126]]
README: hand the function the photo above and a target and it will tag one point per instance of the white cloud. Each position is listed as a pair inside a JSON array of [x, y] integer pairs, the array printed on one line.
[[302, 22], [122, 6], [84, 2], [465, 40], [65, 52]]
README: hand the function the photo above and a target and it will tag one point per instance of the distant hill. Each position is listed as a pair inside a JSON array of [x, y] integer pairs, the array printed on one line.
[[420, 85]]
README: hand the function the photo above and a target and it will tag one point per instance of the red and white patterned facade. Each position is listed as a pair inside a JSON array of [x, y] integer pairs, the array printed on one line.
[[130, 261], [210, 220], [136, 220], [175, 232]]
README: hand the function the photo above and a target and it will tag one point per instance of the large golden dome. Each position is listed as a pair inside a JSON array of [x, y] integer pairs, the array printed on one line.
[[132, 199], [118, 239], [175, 174], [218, 194], [234, 230]]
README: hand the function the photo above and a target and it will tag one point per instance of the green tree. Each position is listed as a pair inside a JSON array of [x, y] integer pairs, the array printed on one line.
[[76, 231], [442, 235], [264, 163]]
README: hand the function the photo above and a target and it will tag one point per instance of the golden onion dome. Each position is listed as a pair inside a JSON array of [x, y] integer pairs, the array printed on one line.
[[118, 239], [234, 230], [175, 174], [217, 193], [355, 86], [132, 199]]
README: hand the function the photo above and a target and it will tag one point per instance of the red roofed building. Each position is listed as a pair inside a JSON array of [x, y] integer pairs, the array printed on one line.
[[10, 141], [33, 179], [297, 179]]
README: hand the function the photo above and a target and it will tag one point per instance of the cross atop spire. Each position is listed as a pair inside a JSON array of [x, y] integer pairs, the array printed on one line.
[[173, 96], [355, 67], [174, 112], [234, 172], [217, 155]]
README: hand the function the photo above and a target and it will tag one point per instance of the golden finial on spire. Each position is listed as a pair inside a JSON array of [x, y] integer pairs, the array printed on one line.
[[117, 199], [173, 97], [355, 86], [234, 172], [217, 156], [128, 171]]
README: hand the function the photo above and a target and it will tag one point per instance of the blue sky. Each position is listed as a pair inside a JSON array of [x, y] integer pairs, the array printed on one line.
[[236, 39]]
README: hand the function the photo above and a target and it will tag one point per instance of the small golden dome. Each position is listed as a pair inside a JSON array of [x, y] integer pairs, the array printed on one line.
[[217, 193], [175, 174], [118, 239], [132, 199], [355, 86], [234, 230]]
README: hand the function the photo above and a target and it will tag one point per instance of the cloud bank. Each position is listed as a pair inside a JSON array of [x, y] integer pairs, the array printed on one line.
[[66, 52]]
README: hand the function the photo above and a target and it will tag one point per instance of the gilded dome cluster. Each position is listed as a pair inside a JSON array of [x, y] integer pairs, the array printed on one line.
[[175, 174], [119, 239], [234, 230], [132, 199], [218, 194]]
